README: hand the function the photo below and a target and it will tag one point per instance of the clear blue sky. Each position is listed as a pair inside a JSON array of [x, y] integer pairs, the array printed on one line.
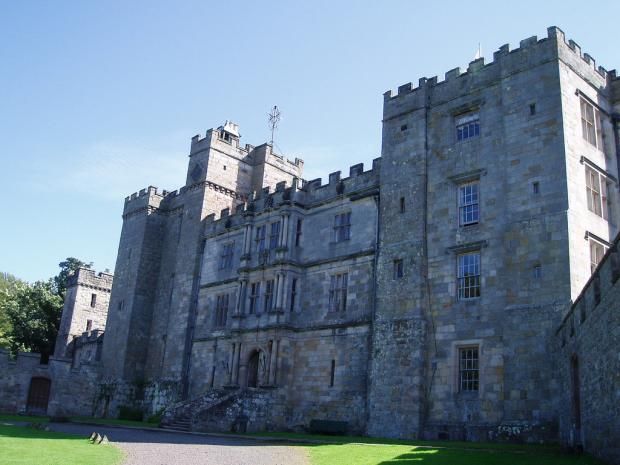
[[100, 99]]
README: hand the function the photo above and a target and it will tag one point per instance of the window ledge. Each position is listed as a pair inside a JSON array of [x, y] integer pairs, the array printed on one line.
[[467, 176], [467, 247]]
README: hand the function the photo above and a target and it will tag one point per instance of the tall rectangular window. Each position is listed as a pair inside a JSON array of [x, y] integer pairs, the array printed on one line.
[[399, 268], [89, 325], [467, 126], [298, 230], [468, 275], [221, 310], [260, 237], [402, 205], [597, 251], [342, 227], [254, 297], [469, 209], [226, 257], [338, 292], [274, 235], [293, 294], [469, 371], [591, 125], [93, 300], [269, 295], [596, 191]]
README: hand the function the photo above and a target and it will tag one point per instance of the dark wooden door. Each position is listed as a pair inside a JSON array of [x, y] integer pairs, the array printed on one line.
[[253, 370], [38, 395]]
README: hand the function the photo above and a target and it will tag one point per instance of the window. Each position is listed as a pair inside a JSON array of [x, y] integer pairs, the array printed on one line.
[[403, 127], [293, 294], [89, 325], [338, 292], [532, 109], [274, 235], [298, 233], [227, 256], [537, 271], [591, 127], [402, 205], [536, 187], [260, 238], [469, 211], [221, 311], [596, 191], [469, 371], [468, 274], [342, 227], [332, 374], [467, 126], [254, 296], [399, 269], [269, 295], [121, 304], [93, 300], [597, 251]]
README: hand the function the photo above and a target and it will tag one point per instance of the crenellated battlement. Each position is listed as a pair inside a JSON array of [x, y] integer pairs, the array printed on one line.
[[301, 193], [531, 51], [91, 278]]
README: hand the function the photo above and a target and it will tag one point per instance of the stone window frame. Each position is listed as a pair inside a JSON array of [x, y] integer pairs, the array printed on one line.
[[338, 290], [226, 257], [471, 288], [399, 268], [342, 226], [598, 248], [93, 300], [591, 122], [469, 202], [467, 125], [260, 237], [298, 231], [221, 310], [464, 179], [268, 296], [598, 184], [294, 293], [454, 366], [274, 235], [254, 298]]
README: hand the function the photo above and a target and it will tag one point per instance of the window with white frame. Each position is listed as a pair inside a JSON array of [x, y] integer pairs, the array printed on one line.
[[260, 237], [597, 251], [591, 124], [269, 285], [467, 126], [596, 191], [469, 206], [468, 275], [227, 256], [342, 227], [274, 235], [338, 292], [221, 310], [469, 369], [254, 297]]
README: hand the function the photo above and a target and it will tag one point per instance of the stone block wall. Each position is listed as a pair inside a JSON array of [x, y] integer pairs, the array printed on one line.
[[588, 364]]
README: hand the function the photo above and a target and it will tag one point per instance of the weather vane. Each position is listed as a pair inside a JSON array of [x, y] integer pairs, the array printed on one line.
[[274, 119]]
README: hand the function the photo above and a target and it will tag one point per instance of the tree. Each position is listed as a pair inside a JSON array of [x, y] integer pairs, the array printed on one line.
[[34, 313], [67, 268], [8, 282]]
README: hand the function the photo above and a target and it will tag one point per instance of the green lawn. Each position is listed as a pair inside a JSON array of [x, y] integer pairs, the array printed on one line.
[[376, 451], [374, 454], [26, 446]]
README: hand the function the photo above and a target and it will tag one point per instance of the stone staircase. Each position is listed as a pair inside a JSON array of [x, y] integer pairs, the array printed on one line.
[[180, 416]]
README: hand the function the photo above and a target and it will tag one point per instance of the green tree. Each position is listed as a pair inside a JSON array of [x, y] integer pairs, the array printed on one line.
[[67, 268], [8, 282], [34, 313]]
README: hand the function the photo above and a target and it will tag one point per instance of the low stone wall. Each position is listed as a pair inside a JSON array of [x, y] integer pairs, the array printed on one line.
[[72, 390]]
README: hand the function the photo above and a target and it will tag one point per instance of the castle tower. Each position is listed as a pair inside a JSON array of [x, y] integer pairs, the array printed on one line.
[[490, 181], [160, 252], [85, 307]]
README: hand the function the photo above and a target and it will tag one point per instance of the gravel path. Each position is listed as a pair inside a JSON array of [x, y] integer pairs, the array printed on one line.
[[164, 448]]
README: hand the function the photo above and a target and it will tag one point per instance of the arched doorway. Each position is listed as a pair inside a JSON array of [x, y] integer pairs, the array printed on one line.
[[253, 364], [38, 395]]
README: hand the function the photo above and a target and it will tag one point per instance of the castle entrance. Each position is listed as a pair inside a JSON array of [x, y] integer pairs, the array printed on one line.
[[38, 395], [253, 365]]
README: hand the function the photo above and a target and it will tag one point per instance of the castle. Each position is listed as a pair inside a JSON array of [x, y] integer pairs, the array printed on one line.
[[425, 297]]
